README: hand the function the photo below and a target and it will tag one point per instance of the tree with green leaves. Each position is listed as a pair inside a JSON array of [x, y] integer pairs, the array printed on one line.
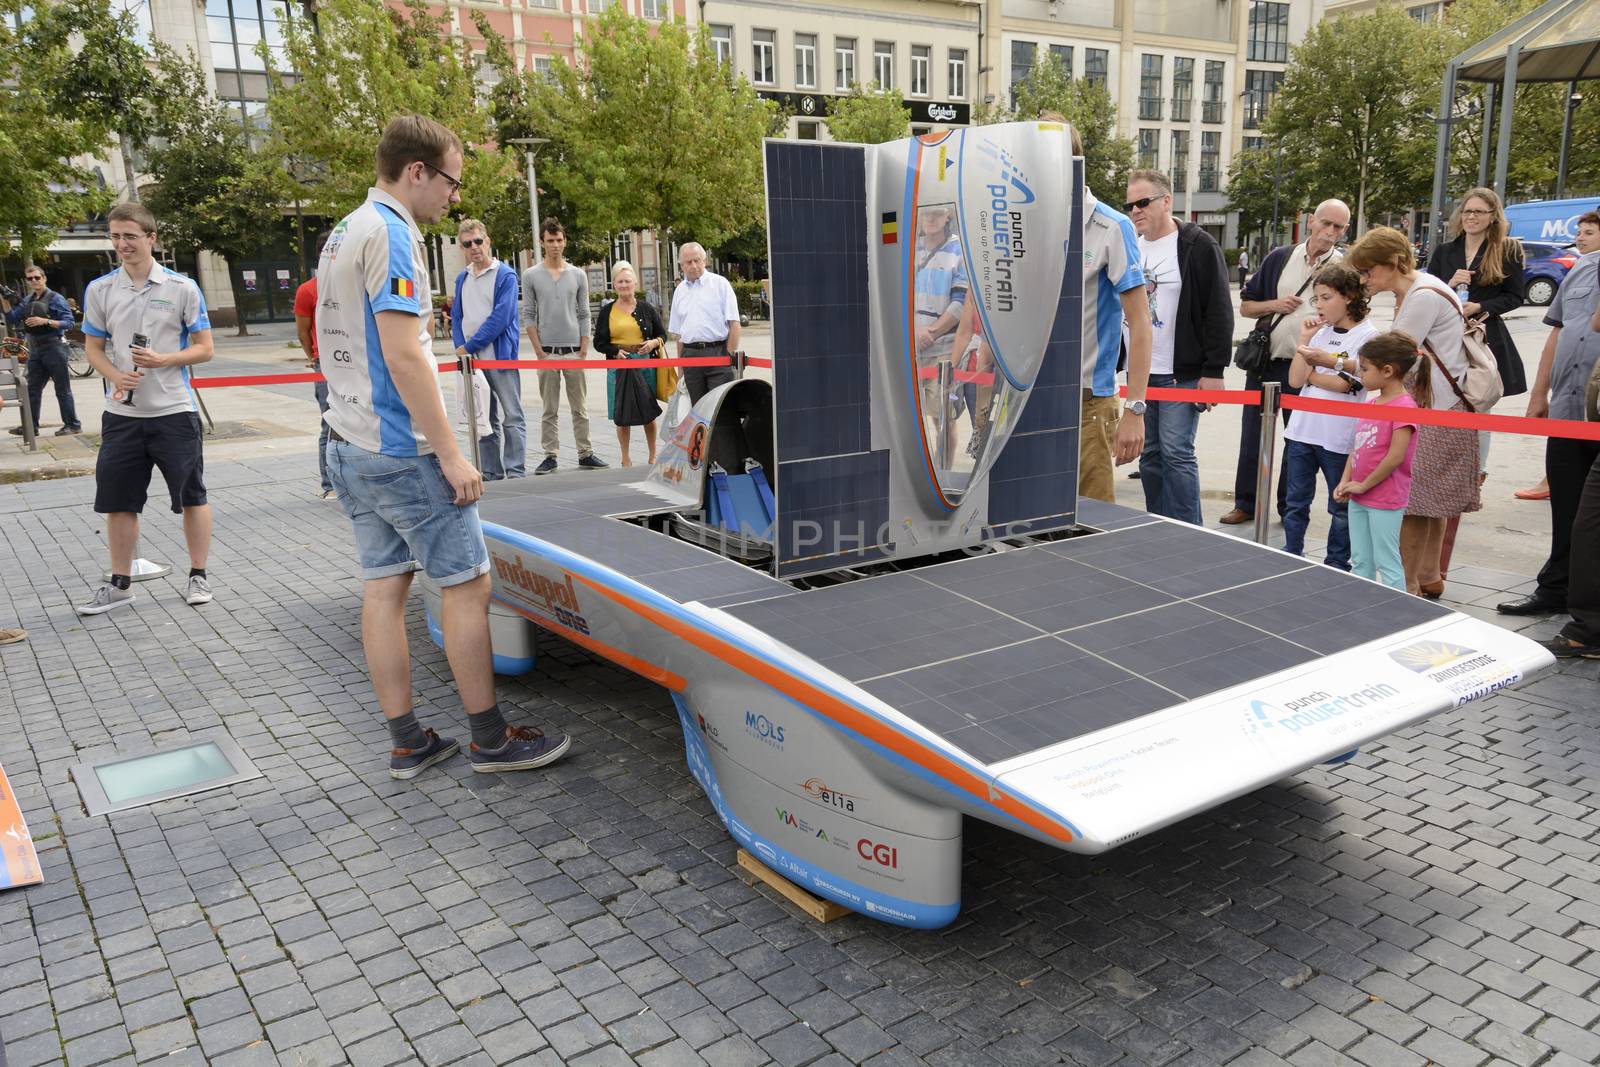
[[213, 192], [1088, 107], [360, 65], [647, 130], [869, 116], [1354, 110], [71, 75]]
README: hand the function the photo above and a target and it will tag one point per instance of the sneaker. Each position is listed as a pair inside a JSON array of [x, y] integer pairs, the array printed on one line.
[[592, 462], [525, 748], [407, 763], [16, 431], [69, 431], [547, 466], [327, 494], [1566, 648], [106, 597], [11, 637], [199, 590]]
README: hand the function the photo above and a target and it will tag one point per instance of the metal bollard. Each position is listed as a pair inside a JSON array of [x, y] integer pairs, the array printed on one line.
[[1271, 406], [470, 402], [947, 376], [740, 363]]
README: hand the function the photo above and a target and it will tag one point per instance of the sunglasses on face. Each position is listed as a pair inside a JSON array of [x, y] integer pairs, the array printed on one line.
[[1142, 203], [1475, 212], [35, 277], [473, 242]]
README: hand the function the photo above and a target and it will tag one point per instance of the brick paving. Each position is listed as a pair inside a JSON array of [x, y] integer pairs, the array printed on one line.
[[1435, 901]]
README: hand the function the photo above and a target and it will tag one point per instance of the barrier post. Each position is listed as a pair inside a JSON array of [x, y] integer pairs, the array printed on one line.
[[740, 361], [946, 379], [469, 401], [1271, 405]]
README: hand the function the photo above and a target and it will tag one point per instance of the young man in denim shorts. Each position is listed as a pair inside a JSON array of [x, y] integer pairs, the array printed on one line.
[[394, 461], [144, 326]]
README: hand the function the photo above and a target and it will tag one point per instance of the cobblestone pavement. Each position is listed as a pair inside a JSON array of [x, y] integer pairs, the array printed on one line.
[[1437, 900]]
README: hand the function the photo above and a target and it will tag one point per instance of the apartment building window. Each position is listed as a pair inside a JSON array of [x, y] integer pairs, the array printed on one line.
[[1149, 147], [237, 26], [921, 61], [1180, 161], [1182, 87], [1210, 160], [1022, 53], [1259, 88], [844, 63], [805, 61], [1425, 12], [883, 63], [1252, 143], [764, 57], [1062, 53], [543, 68], [650, 9], [1149, 86], [722, 40], [541, 3], [1211, 104], [958, 73], [1096, 66], [598, 7], [1269, 32], [805, 131]]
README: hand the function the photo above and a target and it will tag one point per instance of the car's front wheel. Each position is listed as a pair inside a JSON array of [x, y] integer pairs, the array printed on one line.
[[1541, 291]]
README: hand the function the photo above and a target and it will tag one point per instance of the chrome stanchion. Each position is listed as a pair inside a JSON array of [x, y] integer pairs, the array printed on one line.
[[740, 362], [1271, 405], [469, 403], [946, 378]]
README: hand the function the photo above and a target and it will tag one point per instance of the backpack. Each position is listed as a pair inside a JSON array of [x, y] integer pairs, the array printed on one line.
[[1479, 387]]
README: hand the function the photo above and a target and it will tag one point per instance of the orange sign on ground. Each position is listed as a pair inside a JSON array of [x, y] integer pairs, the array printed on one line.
[[19, 864]]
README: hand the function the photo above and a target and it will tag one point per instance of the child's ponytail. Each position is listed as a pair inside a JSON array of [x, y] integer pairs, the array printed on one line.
[[1399, 350]]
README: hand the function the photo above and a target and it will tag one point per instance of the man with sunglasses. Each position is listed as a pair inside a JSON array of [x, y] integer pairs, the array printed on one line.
[[393, 458], [46, 317], [484, 324], [1191, 319]]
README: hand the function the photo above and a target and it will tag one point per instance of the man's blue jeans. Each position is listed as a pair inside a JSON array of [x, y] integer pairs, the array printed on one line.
[[321, 389], [1167, 467], [505, 452], [1302, 463]]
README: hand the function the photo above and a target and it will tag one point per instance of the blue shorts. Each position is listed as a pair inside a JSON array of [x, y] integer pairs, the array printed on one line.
[[406, 517]]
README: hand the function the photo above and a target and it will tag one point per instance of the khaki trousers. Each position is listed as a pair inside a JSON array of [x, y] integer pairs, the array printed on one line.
[[1097, 438], [577, 400]]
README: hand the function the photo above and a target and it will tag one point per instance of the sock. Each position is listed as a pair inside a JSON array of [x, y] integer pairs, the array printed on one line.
[[197, 571], [488, 728], [406, 732], [121, 581]]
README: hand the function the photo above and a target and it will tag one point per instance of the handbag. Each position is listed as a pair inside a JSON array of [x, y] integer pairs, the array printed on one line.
[[1254, 353], [1479, 387], [666, 378]]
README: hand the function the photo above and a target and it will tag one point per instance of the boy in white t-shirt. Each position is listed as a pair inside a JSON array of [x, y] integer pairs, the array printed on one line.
[[1324, 368]]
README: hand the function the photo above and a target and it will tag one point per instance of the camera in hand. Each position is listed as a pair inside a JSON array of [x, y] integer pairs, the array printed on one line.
[[9, 293], [139, 341]]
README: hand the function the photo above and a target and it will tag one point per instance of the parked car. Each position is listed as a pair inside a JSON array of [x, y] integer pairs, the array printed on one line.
[[1543, 266]]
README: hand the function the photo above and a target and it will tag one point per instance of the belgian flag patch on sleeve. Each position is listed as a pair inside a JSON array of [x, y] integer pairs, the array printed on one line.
[[890, 229], [403, 287]]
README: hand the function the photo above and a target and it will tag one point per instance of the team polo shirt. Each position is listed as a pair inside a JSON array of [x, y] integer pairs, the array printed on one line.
[[167, 308], [373, 262], [1110, 268]]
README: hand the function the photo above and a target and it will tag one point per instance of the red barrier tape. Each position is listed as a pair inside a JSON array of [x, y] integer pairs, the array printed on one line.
[[1467, 420], [980, 377], [1204, 396], [447, 366]]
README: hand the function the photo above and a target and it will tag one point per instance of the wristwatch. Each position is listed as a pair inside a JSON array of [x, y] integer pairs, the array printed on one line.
[[1338, 365], [1134, 407]]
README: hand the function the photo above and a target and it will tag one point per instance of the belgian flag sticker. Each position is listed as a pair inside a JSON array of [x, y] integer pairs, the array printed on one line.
[[403, 287], [891, 228]]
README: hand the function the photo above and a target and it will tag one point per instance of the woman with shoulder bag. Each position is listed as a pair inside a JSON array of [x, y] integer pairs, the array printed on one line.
[[1483, 263], [629, 327], [1445, 470]]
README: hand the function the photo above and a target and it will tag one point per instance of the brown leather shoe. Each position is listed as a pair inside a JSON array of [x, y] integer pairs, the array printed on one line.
[[1235, 517]]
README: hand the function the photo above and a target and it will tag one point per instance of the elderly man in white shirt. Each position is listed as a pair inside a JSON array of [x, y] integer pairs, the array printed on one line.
[[705, 319]]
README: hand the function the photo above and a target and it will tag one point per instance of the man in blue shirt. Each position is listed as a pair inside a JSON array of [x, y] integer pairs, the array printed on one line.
[[483, 322], [46, 317]]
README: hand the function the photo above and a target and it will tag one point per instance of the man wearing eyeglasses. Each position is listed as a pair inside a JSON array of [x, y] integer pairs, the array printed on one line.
[[483, 322], [393, 458], [1191, 321], [46, 317], [1281, 288]]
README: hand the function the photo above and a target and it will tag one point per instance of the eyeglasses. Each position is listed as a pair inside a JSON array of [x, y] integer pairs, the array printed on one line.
[[1475, 211], [34, 277], [1143, 203], [473, 242], [455, 183]]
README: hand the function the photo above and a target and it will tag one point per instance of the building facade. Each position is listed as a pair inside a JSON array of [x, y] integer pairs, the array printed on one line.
[[1191, 79], [806, 53]]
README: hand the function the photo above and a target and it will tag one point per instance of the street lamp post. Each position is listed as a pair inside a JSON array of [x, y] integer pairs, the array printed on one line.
[[1574, 98], [531, 145]]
